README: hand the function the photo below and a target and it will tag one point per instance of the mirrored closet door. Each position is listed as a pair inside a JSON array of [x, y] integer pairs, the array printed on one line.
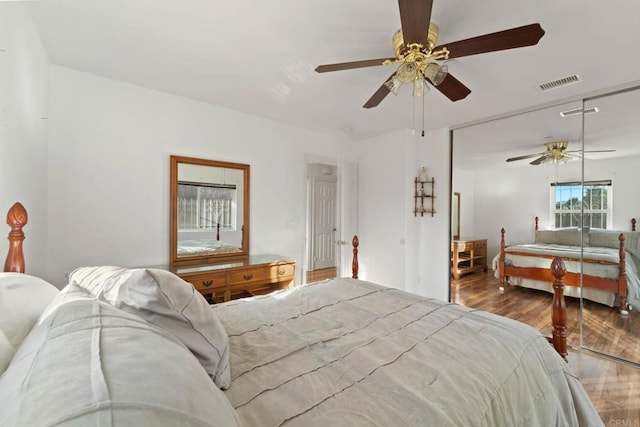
[[610, 203], [565, 177], [506, 171]]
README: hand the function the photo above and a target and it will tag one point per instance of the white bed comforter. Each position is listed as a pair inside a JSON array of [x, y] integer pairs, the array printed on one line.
[[592, 269], [348, 352], [205, 247]]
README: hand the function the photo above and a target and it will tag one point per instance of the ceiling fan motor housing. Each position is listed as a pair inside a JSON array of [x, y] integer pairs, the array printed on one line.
[[401, 50]]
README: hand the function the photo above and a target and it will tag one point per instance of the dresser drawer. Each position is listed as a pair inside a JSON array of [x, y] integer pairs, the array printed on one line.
[[247, 275], [283, 271], [208, 283], [239, 278]]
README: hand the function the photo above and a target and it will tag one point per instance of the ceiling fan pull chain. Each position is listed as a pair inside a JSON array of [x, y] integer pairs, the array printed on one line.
[[414, 128], [423, 115]]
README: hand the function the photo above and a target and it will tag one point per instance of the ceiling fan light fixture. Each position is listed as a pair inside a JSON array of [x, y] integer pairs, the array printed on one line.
[[419, 87], [436, 73], [407, 72], [393, 84]]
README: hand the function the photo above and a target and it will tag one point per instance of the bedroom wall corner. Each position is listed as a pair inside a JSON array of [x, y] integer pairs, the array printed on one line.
[[23, 128]]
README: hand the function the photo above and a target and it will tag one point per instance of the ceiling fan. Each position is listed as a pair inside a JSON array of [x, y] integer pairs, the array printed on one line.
[[416, 50], [555, 152]]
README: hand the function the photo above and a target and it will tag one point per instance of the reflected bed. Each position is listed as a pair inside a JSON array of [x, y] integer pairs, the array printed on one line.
[[205, 247]]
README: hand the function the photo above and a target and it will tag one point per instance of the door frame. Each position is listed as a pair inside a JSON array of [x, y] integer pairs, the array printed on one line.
[[308, 199]]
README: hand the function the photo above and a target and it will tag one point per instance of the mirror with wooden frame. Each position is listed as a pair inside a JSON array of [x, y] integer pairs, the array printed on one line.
[[209, 217]]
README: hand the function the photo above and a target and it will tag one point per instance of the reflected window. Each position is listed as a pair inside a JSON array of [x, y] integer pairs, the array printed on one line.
[[205, 207], [570, 198]]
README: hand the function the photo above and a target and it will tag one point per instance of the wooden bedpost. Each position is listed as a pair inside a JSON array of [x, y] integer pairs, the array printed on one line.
[[501, 262], [559, 308], [633, 224], [16, 218], [354, 264], [622, 278], [536, 223]]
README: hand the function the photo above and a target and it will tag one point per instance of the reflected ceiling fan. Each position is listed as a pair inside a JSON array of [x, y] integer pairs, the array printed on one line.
[[416, 50], [555, 152]]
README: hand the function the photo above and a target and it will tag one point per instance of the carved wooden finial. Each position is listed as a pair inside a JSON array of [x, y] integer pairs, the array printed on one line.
[[16, 218], [354, 264], [536, 223], [622, 276], [633, 224], [559, 308]]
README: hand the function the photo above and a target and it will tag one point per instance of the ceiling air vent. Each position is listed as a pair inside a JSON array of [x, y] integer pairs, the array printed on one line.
[[559, 83], [575, 111]]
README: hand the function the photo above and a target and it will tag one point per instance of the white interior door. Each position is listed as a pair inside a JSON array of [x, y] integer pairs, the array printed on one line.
[[324, 224]]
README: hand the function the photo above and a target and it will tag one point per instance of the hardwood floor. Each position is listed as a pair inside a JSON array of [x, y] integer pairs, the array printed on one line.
[[613, 387], [322, 274]]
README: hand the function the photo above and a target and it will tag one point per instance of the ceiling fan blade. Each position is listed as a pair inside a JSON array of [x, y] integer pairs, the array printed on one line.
[[379, 95], [590, 151], [527, 35], [453, 89], [415, 17], [351, 65], [538, 161], [527, 156]]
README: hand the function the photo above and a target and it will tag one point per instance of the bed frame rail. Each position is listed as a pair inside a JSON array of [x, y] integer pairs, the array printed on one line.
[[618, 285]]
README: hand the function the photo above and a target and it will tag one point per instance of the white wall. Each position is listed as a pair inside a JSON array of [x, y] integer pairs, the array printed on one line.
[[397, 248], [23, 141], [513, 197], [109, 177]]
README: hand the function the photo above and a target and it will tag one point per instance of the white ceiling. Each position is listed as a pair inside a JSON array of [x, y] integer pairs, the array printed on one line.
[[259, 57]]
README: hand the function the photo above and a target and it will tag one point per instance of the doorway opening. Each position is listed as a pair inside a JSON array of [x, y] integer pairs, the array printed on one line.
[[322, 222]]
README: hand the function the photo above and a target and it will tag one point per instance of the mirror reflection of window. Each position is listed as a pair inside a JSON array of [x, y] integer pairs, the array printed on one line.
[[205, 207], [570, 198]]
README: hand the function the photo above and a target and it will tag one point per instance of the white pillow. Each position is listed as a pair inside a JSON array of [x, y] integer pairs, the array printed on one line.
[[167, 301], [23, 298], [70, 293], [91, 364], [93, 278], [6, 352]]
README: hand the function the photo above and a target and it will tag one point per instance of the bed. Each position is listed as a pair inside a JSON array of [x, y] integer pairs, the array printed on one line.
[[190, 247], [107, 350], [609, 262]]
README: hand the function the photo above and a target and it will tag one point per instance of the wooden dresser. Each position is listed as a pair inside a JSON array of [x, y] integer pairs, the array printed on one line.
[[239, 278], [468, 256]]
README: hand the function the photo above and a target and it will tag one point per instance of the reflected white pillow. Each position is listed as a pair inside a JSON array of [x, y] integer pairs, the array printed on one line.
[[6, 352], [23, 298], [167, 301]]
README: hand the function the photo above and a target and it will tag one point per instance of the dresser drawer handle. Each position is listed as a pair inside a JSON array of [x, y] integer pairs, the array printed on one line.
[[247, 276], [207, 283], [280, 271]]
